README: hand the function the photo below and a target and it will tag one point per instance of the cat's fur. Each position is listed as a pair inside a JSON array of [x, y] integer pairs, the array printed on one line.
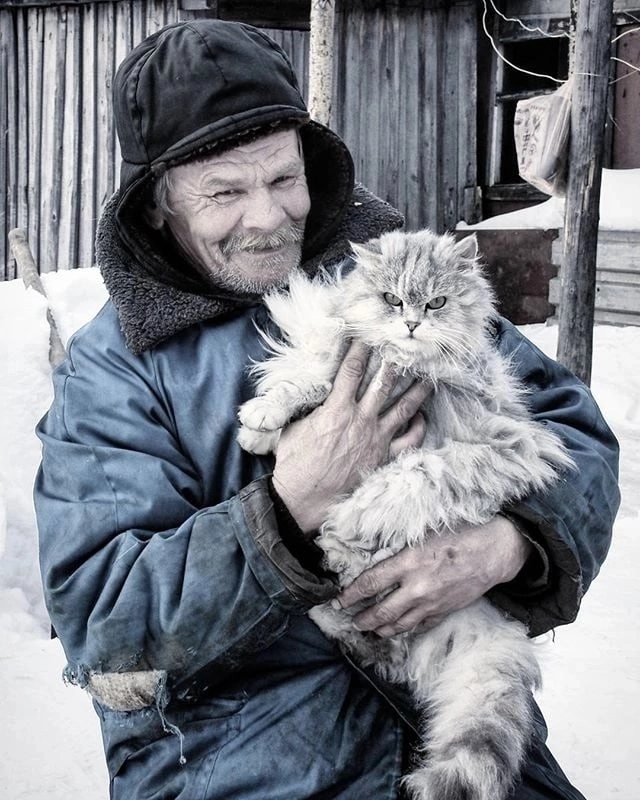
[[472, 675]]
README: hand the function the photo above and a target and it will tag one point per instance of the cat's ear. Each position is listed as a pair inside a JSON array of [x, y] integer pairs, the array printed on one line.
[[367, 250], [467, 249]]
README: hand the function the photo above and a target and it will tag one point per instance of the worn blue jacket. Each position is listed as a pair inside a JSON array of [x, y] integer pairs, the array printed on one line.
[[178, 603], [163, 565]]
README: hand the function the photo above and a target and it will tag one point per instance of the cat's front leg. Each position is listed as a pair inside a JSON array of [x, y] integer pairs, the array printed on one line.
[[395, 505], [263, 417]]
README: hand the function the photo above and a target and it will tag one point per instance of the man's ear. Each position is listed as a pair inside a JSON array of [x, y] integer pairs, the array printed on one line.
[[153, 216]]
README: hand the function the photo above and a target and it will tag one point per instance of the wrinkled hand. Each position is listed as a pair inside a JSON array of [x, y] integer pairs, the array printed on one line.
[[424, 584], [325, 454]]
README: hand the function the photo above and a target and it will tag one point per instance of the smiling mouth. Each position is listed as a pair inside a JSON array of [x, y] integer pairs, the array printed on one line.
[[267, 251]]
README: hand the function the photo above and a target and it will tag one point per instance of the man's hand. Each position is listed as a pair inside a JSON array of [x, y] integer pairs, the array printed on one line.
[[424, 584], [325, 454]]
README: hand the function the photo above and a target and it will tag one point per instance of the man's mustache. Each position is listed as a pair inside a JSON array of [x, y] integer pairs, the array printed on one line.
[[251, 242]]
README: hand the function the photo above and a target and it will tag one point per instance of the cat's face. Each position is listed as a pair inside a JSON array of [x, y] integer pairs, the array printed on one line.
[[418, 297]]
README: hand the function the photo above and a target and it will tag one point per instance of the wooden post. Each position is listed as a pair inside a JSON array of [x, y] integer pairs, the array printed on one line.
[[573, 16], [28, 271], [582, 212], [321, 60]]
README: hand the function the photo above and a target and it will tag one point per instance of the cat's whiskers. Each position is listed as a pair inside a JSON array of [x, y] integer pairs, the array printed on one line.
[[458, 352]]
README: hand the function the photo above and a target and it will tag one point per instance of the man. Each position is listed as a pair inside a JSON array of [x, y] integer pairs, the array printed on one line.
[[177, 568]]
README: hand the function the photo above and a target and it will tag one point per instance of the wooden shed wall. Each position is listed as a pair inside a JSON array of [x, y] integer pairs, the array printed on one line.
[[404, 100], [60, 152], [405, 103]]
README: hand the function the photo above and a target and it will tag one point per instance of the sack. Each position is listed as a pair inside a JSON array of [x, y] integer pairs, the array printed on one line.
[[541, 131]]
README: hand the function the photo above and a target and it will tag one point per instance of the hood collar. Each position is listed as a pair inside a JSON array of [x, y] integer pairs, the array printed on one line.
[[154, 300]]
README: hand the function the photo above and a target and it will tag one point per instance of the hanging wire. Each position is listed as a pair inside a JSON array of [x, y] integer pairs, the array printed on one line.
[[542, 32], [632, 67], [624, 33], [501, 55]]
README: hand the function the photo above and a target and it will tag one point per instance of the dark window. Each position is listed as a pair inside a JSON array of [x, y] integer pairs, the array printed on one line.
[[546, 56]]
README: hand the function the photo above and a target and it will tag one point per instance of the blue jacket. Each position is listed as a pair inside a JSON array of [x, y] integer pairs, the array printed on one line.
[[178, 603], [161, 557]]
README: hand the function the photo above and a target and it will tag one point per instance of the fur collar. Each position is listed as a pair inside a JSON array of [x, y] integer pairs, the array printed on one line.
[[155, 299]]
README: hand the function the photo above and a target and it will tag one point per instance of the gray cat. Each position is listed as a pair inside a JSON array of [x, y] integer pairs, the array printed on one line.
[[421, 302]]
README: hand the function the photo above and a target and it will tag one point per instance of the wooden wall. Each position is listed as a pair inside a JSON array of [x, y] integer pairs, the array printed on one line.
[[60, 155], [404, 101], [406, 105], [617, 277]]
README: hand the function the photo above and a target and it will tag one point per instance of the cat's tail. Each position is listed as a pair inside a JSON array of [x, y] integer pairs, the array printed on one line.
[[475, 684]]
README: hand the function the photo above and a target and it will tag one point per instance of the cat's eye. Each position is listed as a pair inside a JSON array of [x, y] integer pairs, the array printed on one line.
[[392, 299], [436, 302]]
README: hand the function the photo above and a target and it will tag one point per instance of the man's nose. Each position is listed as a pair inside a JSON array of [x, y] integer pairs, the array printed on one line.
[[263, 212]]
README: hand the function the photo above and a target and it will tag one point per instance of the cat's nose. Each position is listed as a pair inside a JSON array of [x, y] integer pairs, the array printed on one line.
[[411, 325]]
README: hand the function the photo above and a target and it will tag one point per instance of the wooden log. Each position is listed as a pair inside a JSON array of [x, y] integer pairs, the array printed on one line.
[[586, 150], [28, 271]]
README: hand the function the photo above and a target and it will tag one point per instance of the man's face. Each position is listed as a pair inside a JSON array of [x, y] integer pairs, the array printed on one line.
[[239, 216]]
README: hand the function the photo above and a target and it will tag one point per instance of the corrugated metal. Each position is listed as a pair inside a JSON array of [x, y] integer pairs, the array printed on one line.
[[404, 101]]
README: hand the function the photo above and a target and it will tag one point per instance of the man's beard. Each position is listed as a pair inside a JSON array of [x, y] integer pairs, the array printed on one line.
[[288, 238], [251, 242]]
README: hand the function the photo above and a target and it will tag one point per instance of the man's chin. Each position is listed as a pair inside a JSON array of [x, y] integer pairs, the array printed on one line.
[[255, 272], [263, 271]]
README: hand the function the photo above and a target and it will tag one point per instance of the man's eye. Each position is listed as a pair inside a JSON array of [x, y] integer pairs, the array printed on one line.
[[285, 180], [225, 196]]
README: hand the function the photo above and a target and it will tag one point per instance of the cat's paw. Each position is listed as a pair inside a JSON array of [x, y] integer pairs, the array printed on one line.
[[400, 501], [258, 442], [262, 414]]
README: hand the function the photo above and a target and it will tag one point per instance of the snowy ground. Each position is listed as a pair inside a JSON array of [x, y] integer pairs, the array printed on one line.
[[50, 740]]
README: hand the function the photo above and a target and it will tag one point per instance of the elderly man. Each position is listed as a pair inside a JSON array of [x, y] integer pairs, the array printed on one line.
[[177, 568]]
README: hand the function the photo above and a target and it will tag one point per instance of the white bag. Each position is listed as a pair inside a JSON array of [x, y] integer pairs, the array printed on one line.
[[541, 130]]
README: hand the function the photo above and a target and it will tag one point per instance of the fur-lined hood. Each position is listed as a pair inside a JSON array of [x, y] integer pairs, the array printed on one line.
[[190, 89], [154, 300]]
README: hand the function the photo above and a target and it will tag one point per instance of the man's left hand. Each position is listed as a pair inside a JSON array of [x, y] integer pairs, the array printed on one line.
[[421, 585]]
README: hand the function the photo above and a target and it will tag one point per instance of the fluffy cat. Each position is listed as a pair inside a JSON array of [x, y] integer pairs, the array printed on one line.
[[421, 302]]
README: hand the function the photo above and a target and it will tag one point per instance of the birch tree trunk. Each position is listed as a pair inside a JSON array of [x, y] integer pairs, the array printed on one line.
[[582, 212], [321, 60]]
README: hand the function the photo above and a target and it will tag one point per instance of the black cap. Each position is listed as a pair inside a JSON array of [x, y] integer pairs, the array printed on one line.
[[193, 86]]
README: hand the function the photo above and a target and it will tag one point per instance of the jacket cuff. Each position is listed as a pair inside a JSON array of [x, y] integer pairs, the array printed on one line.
[[293, 557], [300, 545], [533, 578]]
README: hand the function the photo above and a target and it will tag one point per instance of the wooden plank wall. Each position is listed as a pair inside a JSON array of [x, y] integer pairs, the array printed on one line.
[[60, 152], [404, 102], [617, 277], [406, 105]]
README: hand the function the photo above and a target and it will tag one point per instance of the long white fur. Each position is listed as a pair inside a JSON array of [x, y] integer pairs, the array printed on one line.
[[474, 673]]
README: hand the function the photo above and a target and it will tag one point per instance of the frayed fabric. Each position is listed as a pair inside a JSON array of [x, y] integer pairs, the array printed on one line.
[[128, 691]]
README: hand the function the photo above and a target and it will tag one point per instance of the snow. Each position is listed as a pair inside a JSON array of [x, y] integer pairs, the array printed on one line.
[[619, 207], [51, 743]]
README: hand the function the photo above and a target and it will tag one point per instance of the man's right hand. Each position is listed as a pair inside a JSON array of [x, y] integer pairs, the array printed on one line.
[[326, 453]]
